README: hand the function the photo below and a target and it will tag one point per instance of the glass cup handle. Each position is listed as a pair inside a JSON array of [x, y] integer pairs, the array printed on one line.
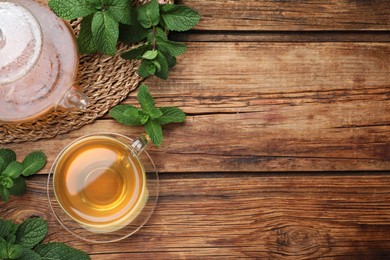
[[139, 144]]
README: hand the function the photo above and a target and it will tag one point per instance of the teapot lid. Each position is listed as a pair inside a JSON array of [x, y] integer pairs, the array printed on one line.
[[20, 41]]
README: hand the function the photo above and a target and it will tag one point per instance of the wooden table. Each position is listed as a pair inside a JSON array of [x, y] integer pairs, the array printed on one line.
[[286, 150]]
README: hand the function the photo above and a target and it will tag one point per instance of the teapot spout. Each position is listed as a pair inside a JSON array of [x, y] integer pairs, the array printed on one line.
[[74, 99]]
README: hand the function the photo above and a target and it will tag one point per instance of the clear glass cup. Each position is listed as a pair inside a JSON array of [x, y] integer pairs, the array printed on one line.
[[133, 218]]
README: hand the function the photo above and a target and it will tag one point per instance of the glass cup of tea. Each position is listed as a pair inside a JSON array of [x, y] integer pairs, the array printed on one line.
[[103, 187]]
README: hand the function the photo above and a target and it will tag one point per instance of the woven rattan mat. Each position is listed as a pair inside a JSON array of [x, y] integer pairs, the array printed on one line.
[[105, 80]]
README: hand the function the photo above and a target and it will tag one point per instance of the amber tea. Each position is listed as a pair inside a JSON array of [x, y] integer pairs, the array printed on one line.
[[100, 183]]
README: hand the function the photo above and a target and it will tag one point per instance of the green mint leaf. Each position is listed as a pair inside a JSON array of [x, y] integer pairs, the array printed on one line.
[[132, 33], [60, 251], [3, 229], [2, 165], [3, 249], [157, 65], [126, 114], [121, 11], [144, 116], [163, 72], [8, 156], [158, 34], [145, 99], [154, 130], [145, 68], [11, 230], [11, 239], [13, 170], [178, 18], [7, 182], [29, 254], [19, 187], [170, 59], [144, 119], [33, 163], [161, 34], [31, 232], [7, 230], [155, 113], [173, 48], [105, 32], [71, 9], [14, 251], [171, 115], [152, 69], [148, 15], [98, 4], [11, 227], [136, 53], [85, 40], [143, 113], [150, 55], [4, 193]]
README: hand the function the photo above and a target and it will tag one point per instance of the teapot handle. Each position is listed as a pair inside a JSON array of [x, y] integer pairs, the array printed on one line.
[[74, 99]]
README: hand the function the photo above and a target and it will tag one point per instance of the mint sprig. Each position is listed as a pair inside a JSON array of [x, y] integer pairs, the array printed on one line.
[[12, 171], [100, 26], [149, 116], [24, 242], [148, 15], [105, 22], [153, 22]]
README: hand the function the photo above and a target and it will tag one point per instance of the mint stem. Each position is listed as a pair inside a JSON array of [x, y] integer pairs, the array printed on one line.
[[154, 32]]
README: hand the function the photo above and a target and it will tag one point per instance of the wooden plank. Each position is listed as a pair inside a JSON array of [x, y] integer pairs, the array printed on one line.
[[280, 36], [268, 107], [290, 217], [296, 15], [290, 68]]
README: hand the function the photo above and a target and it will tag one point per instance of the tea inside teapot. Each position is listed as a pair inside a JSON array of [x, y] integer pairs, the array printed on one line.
[[38, 62]]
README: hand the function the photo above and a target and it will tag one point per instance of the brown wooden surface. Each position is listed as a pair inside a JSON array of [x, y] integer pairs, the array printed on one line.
[[269, 107], [235, 215], [286, 149], [292, 15]]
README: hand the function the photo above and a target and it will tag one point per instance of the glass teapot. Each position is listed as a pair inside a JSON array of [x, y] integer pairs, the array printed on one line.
[[38, 62]]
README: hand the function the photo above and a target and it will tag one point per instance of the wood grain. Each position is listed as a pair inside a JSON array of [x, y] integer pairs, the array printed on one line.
[[278, 36], [272, 87], [268, 107], [293, 15], [301, 216]]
